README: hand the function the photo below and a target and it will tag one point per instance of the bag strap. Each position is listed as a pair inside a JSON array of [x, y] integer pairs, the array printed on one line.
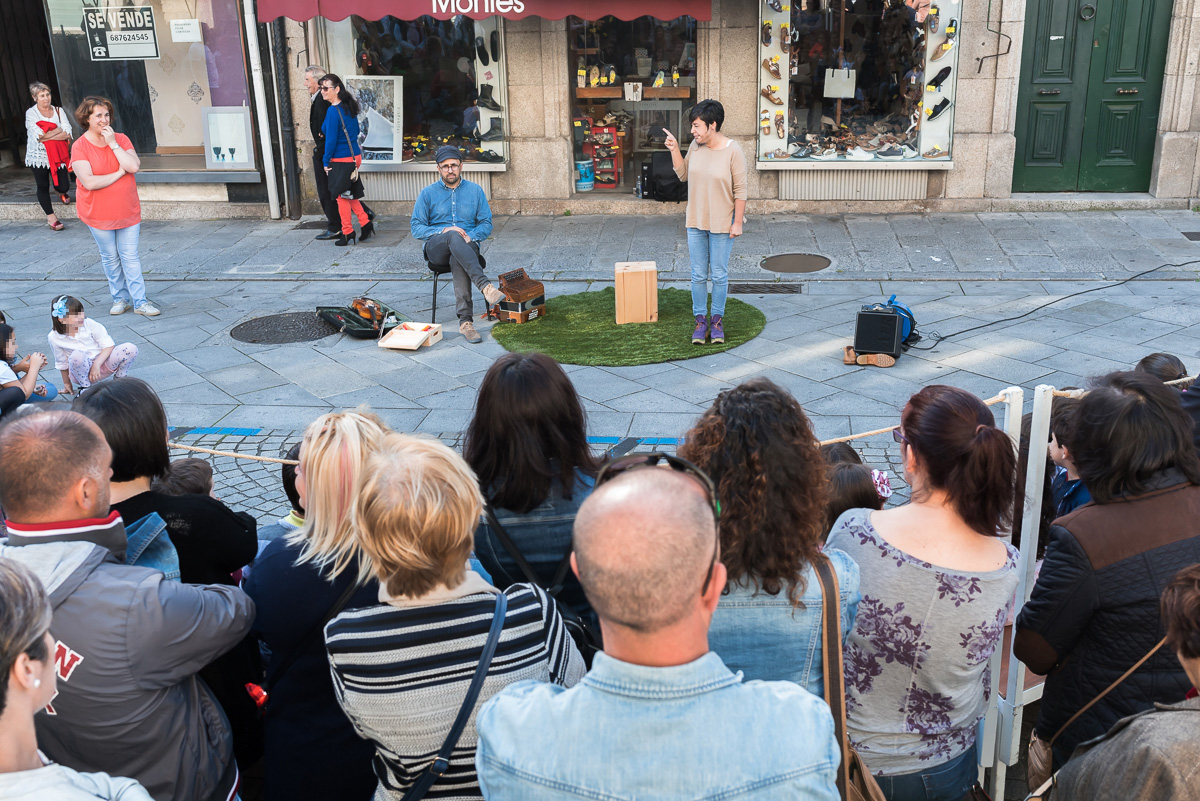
[[337, 607], [831, 648], [441, 763], [346, 133], [1109, 689], [531, 575]]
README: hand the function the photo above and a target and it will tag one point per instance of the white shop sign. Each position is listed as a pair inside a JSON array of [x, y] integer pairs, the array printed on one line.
[[121, 34], [185, 30]]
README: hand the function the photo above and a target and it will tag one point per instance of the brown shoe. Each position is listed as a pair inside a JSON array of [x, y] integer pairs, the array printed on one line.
[[877, 359], [469, 333], [492, 295], [773, 68], [769, 94], [849, 356]]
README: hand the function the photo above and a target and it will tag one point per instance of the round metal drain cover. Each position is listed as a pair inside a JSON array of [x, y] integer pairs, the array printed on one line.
[[795, 263], [280, 329]]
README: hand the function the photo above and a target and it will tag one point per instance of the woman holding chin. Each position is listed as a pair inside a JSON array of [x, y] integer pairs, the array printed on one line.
[[107, 202]]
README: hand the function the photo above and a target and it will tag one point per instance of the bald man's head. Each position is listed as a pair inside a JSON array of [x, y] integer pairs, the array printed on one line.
[[643, 544], [43, 456]]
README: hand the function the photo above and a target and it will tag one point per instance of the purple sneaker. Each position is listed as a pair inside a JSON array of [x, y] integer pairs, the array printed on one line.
[[717, 331], [701, 332]]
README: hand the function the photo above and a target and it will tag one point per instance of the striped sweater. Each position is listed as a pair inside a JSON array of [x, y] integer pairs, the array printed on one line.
[[401, 672]]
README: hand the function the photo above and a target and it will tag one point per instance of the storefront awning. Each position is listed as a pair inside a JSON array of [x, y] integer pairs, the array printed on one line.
[[301, 10]]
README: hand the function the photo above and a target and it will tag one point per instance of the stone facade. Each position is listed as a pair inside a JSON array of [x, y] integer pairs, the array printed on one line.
[[539, 178]]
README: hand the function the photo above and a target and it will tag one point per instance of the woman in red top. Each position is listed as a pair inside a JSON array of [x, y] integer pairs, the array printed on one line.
[[107, 202]]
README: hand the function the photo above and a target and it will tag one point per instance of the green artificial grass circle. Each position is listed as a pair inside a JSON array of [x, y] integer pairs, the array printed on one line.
[[582, 329]]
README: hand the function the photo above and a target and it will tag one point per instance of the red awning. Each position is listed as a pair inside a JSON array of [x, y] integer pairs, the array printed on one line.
[[300, 10]]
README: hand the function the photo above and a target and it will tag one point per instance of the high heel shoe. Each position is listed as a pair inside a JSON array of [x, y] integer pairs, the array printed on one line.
[[345, 239], [367, 232]]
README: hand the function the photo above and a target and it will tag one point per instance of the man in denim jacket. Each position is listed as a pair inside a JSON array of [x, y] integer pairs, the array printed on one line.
[[659, 715]]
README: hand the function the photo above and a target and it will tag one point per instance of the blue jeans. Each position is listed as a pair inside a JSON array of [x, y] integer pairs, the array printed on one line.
[[51, 394], [710, 255], [948, 781], [121, 263]]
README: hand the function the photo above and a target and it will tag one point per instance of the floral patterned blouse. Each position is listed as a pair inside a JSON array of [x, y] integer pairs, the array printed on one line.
[[917, 678]]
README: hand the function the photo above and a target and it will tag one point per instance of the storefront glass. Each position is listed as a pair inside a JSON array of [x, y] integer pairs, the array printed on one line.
[[162, 63], [449, 78], [871, 80], [629, 81]]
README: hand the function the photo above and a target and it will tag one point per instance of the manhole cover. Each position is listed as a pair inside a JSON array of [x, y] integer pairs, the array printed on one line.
[[794, 263], [764, 289], [280, 329]]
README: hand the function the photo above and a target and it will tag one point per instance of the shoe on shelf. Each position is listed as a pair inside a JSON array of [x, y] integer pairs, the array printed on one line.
[[948, 45], [769, 93], [488, 156], [933, 19], [495, 133], [766, 33], [659, 79], [776, 5], [701, 332], [120, 307], [785, 38], [764, 122], [780, 125], [147, 309], [877, 359], [771, 65], [716, 331], [938, 80], [935, 152], [480, 51], [327, 234], [469, 333], [801, 151], [939, 109], [858, 154], [494, 39], [486, 100], [828, 154], [492, 295]]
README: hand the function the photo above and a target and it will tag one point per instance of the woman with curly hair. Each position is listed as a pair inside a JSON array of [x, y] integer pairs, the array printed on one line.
[[758, 446]]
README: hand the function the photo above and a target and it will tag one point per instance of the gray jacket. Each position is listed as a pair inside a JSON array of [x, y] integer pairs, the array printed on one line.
[[128, 645], [1150, 756]]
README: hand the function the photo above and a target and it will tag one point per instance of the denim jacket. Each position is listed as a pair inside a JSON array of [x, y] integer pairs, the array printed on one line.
[[766, 638], [544, 537], [150, 546], [695, 731]]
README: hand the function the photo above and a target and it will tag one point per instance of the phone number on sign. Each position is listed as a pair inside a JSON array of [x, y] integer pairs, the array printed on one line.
[[128, 38]]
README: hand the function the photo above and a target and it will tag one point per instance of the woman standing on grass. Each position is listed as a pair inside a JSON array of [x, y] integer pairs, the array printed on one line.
[[715, 171]]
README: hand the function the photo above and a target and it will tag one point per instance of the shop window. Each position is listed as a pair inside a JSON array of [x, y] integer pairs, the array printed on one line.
[[164, 64], [871, 80], [629, 81], [448, 76]]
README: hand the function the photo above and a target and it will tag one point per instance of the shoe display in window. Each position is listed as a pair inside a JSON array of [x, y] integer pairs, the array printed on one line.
[[766, 33], [939, 109], [488, 156], [934, 152], [785, 38], [495, 40], [771, 65], [776, 5], [659, 80], [945, 47], [494, 133], [481, 51], [827, 154], [780, 125], [769, 93], [932, 19], [486, 100], [764, 122], [858, 154]]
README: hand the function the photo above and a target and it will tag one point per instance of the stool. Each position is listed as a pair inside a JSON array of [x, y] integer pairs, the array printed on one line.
[[438, 271]]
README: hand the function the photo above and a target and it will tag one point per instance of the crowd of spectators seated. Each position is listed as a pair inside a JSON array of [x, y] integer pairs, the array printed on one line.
[[529, 621]]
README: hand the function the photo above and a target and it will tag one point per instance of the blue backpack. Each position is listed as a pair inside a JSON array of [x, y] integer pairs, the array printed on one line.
[[908, 323]]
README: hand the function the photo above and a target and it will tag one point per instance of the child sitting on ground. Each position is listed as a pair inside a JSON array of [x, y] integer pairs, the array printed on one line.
[[186, 477], [83, 351], [30, 366], [1066, 486], [1163, 366], [294, 519]]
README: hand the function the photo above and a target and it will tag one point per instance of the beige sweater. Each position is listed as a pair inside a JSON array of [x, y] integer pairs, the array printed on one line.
[[715, 179]]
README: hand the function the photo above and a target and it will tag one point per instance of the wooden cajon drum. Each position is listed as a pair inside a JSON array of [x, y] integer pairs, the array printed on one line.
[[637, 292]]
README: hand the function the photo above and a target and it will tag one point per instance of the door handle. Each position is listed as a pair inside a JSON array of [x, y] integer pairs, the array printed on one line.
[[1087, 12], [1049, 91], [1127, 91]]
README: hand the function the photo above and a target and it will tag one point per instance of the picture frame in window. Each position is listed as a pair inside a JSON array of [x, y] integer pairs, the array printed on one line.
[[380, 116], [228, 140]]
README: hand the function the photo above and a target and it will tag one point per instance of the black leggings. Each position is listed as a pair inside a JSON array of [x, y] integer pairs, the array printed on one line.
[[42, 176]]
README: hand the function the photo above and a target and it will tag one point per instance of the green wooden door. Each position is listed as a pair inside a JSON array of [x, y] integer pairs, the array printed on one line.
[[1091, 82]]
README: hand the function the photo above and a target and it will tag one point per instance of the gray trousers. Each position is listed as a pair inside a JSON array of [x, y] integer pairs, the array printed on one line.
[[449, 248]]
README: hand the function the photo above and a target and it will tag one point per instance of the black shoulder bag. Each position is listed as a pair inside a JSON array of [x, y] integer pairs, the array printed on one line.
[[441, 762], [587, 638]]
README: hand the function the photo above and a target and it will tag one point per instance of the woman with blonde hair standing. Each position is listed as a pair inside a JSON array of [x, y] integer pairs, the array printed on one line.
[[105, 163], [298, 584], [47, 123]]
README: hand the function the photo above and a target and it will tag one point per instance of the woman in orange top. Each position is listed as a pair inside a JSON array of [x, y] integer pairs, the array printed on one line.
[[107, 202]]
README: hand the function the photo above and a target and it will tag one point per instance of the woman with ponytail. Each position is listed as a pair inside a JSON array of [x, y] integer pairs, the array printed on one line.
[[936, 582]]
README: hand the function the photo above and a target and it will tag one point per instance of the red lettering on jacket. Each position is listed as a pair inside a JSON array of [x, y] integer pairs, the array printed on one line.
[[65, 660]]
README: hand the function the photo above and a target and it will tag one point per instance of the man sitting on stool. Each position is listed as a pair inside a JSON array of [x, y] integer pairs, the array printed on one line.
[[452, 216]]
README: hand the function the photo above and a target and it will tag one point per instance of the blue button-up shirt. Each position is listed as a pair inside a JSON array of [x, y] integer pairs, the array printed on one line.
[[695, 731], [438, 206]]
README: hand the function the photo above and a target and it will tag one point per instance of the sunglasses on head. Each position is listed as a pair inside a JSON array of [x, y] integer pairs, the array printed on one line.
[[639, 461]]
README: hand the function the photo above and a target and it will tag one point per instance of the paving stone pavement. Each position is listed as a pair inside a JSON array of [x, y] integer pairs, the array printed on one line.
[[958, 272]]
